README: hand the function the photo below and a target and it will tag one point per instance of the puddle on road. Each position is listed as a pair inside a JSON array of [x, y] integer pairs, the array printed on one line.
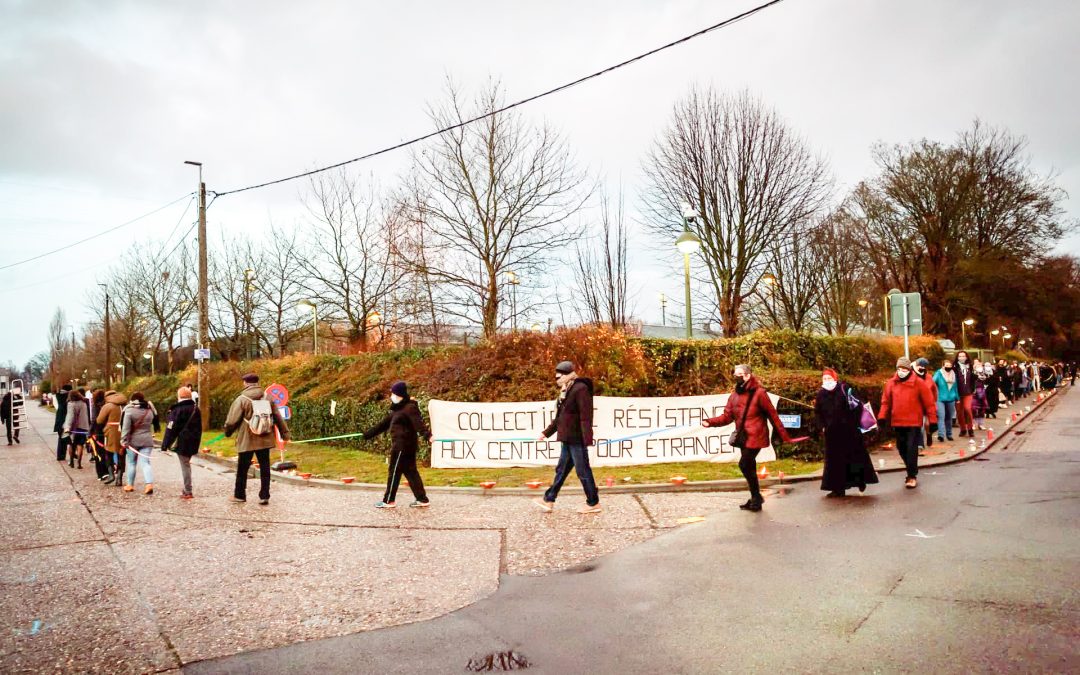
[[498, 662]]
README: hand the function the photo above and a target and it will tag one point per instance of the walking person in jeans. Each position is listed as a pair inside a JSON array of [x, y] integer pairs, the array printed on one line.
[[750, 408], [574, 424], [904, 402], [405, 424], [137, 428], [183, 427], [945, 379], [76, 427], [250, 445], [965, 386]]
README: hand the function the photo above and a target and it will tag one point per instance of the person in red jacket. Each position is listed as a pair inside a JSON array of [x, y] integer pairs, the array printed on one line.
[[904, 402], [750, 398]]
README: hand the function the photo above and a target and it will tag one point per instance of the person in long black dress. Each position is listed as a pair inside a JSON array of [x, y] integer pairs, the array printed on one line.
[[847, 462]]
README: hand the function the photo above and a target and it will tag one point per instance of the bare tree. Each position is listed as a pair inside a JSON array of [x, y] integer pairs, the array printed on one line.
[[794, 281], [278, 286], [355, 239], [164, 291], [845, 281], [497, 195], [601, 270], [751, 180]]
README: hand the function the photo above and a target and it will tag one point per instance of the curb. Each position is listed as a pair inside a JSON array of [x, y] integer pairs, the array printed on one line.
[[726, 485]]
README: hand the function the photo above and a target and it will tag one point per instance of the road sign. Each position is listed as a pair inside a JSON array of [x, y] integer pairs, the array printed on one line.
[[791, 421], [905, 308], [278, 394], [202, 354], [286, 412]]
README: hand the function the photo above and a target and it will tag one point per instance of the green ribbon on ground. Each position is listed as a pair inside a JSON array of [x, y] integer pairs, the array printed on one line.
[[215, 439], [328, 438]]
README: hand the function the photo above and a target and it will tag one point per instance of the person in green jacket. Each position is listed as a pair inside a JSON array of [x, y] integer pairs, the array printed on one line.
[[948, 395]]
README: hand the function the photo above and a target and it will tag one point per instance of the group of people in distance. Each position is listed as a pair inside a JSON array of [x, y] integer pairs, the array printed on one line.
[[916, 405]]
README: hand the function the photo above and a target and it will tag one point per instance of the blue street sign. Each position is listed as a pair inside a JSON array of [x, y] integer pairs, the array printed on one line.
[[791, 421], [286, 412]]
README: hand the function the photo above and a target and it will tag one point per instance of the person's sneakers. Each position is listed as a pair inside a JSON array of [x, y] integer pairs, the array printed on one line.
[[911, 483], [129, 488], [108, 480], [149, 489], [950, 439], [419, 504], [595, 508], [941, 439], [385, 505], [238, 500], [186, 497], [264, 502], [544, 505]]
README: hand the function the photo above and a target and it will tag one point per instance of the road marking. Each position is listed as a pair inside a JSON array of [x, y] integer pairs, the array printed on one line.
[[919, 534]]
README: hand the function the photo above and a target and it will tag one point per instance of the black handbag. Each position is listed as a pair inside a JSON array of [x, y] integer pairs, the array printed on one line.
[[738, 438]]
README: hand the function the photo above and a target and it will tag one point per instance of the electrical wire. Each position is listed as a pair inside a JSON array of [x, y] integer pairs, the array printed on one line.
[[181, 240], [178, 221], [568, 85], [94, 236]]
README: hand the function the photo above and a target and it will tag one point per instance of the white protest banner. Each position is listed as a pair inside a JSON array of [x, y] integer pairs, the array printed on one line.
[[626, 431]]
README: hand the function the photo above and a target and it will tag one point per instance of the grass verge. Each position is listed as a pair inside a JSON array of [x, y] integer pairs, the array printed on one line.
[[324, 461]]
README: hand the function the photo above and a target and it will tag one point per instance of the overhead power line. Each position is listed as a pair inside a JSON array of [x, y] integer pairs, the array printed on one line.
[[94, 236], [568, 85]]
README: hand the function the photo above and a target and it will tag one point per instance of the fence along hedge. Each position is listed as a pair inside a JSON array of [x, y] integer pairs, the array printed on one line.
[[520, 367]]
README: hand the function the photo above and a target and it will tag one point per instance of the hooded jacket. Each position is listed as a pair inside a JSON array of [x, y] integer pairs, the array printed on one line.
[[761, 409], [905, 402], [137, 425], [404, 422], [183, 427], [109, 419], [240, 412], [574, 414]]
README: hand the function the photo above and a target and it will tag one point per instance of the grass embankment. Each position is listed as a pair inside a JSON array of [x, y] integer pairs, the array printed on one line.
[[324, 461]]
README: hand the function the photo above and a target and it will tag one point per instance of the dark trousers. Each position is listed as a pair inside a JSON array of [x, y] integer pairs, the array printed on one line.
[[403, 464], [243, 464], [748, 466], [907, 444], [62, 448], [7, 423], [574, 457], [119, 460]]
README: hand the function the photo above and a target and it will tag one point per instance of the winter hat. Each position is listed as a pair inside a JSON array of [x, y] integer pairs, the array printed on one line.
[[564, 368], [922, 362], [831, 373], [250, 378], [399, 388], [903, 362]]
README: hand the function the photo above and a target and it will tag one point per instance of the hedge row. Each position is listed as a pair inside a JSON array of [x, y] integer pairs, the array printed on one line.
[[520, 367]]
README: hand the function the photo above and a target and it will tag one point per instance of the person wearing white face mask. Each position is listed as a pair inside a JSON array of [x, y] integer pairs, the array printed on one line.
[[904, 402], [405, 424], [847, 463]]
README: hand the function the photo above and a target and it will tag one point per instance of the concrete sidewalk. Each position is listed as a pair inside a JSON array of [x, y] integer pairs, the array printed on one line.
[[98, 580]]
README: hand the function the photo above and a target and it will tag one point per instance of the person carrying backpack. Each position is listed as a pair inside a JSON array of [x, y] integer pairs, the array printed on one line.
[[253, 418]]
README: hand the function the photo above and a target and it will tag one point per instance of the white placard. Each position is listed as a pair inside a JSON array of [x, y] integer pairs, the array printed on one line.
[[626, 431]]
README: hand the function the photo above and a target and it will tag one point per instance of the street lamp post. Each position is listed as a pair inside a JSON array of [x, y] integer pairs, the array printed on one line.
[[993, 334], [512, 279], [314, 323], [770, 280], [863, 303], [688, 243], [108, 340], [149, 355], [963, 331], [123, 370], [248, 343], [663, 309]]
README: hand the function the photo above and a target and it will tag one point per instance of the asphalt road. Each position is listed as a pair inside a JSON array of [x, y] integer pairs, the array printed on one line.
[[975, 571]]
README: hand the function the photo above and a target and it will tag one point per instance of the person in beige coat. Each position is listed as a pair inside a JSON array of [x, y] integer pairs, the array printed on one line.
[[250, 445], [108, 418]]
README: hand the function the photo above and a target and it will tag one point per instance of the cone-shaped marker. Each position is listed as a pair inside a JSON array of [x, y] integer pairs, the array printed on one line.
[[488, 484], [961, 451], [1014, 417], [764, 472], [989, 434]]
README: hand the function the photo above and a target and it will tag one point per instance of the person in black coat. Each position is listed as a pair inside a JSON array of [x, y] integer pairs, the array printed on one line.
[[405, 424], [58, 424], [7, 416], [847, 462], [183, 427]]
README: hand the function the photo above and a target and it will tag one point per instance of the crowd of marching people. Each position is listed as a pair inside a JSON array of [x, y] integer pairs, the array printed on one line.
[[117, 433]]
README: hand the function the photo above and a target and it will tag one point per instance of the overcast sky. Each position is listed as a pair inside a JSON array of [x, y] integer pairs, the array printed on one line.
[[103, 101]]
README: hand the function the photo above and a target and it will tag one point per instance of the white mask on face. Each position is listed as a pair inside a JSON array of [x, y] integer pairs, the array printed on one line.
[[394, 398], [828, 385]]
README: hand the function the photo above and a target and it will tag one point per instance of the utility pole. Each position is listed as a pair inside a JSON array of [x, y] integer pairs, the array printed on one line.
[[108, 340], [204, 302]]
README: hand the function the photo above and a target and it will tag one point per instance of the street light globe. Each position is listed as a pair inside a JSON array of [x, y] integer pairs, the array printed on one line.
[[688, 243], [995, 332], [1008, 336], [969, 322], [769, 278], [119, 365], [146, 355], [305, 303], [863, 303]]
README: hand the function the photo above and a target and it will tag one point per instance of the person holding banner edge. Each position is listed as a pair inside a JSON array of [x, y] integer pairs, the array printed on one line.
[[405, 424], [574, 424], [749, 407]]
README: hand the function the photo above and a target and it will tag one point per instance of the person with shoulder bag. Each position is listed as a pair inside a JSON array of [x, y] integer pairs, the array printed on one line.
[[253, 418], [751, 410], [839, 412], [184, 428]]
